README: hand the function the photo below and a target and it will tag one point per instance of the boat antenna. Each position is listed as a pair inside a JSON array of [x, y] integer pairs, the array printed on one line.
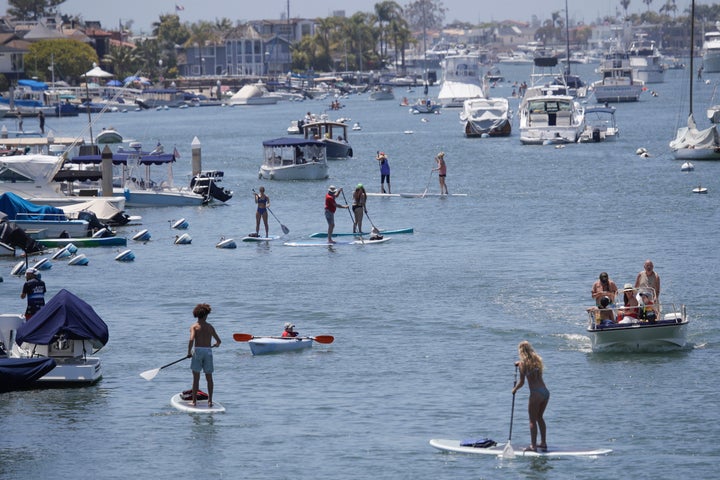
[[692, 53]]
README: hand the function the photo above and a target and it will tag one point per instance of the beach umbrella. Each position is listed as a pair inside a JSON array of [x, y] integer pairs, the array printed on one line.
[[131, 79], [114, 83], [98, 72]]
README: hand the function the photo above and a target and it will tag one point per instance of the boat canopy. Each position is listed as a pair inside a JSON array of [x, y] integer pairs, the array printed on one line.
[[292, 142], [127, 157], [33, 84], [12, 205], [64, 314]]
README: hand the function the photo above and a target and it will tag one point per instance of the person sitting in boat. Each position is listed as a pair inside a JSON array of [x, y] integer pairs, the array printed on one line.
[[646, 307], [628, 313], [605, 315], [289, 330]]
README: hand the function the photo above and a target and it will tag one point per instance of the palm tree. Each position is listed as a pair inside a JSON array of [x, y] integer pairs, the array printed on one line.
[[123, 60], [625, 4], [385, 12]]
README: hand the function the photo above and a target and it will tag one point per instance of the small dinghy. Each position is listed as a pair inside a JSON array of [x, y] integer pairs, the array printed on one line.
[[142, 236], [183, 239], [44, 264], [226, 243], [265, 345], [81, 260], [125, 256], [181, 224]]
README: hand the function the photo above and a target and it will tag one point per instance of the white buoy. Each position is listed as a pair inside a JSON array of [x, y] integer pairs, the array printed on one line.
[[181, 224], [125, 256], [81, 260], [183, 239], [226, 243], [700, 189], [142, 236], [687, 167]]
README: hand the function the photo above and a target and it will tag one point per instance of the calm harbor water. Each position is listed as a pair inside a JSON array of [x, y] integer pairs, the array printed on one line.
[[426, 325]]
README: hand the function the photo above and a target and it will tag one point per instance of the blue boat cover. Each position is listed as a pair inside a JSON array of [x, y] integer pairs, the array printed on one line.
[[21, 372], [125, 157], [291, 142], [12, 204], [64, 314], [33, 84]]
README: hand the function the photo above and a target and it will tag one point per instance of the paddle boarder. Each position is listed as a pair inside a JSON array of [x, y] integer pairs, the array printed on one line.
[[263, 202], [34, 289], [330, 206], [359, 200], [384, 171], [531, 367], [442, 171], [200, 350]]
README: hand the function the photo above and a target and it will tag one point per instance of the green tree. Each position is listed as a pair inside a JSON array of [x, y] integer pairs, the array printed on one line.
[[31, 9], [647, 2], [625, 4], [70, 59], [425, 14], [123, 60], [170, 32], [385, 13]]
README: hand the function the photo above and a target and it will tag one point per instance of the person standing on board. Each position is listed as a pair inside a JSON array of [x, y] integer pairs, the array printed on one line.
[[359, 200], [384, 172], [649, 278], [442, 172], [200, 350], [34, 289], [263, 202], [604, 287], [330, 207], [41, 119], [531, 368]]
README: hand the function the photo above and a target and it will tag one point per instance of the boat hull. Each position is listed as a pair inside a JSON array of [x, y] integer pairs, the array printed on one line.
[[84, 242], [662, 335], [149, 198], [617, 93], [265, 345], [305, 171]]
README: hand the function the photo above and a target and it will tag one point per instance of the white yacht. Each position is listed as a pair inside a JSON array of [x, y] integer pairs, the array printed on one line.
[[711, 51], [617, 83], [646, 61], [461, 80]]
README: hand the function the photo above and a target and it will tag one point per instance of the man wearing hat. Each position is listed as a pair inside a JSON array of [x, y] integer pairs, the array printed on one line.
[[289, 330], [34, 290], [359, 199], [330, 207]]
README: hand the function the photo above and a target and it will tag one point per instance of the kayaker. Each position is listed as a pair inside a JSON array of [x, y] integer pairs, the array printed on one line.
[[34, 289], [289, 330], [358, 208], [200, 350], [531, 367], [330, 207]]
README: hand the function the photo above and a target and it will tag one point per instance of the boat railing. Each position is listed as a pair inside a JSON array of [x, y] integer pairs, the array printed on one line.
[[615, 316], [53, 217]]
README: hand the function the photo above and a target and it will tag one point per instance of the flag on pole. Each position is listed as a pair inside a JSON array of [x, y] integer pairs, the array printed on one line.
[[179, 8]]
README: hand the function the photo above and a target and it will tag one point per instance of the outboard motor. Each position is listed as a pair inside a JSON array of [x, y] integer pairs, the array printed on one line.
[[596, 135]]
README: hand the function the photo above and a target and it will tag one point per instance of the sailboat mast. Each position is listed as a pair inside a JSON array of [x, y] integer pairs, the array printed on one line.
[[567, 39], [692, 51]]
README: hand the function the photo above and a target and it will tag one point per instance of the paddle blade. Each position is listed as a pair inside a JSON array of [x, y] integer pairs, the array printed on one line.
[[508, 451], [150, 374], [242, 337], [285, 229], [324, 338]]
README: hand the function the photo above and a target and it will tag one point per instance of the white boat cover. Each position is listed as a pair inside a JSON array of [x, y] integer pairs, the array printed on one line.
[[103, 209], [691, 138]]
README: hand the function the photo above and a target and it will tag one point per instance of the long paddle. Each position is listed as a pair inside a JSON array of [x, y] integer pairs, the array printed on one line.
[[428, 184], [508, 451], [246, 337], [283, 227], [150, 374]]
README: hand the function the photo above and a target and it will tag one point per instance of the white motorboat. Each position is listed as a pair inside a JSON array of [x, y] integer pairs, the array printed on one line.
[[461, 80], [711, 50], [41, 221], [691, 143], [384, 92], [600, 125], [617, 83], [33, 177], [646, 60], [486, 117], [548, 114], [332, 134], [254, 94], [665, 329], [45, 335], [294, 159], [425, 105], [108, 135]]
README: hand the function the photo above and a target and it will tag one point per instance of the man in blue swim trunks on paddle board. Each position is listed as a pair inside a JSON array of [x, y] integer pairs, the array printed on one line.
[[201, 334]]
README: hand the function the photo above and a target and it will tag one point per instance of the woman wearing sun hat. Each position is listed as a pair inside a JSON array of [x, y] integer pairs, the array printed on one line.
[[629, 311], [359, 199]]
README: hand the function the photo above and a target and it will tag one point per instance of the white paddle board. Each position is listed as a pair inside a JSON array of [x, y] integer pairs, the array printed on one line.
[[261, 239], [201, 407], [519, 450], [315, 243], [421, 195]]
